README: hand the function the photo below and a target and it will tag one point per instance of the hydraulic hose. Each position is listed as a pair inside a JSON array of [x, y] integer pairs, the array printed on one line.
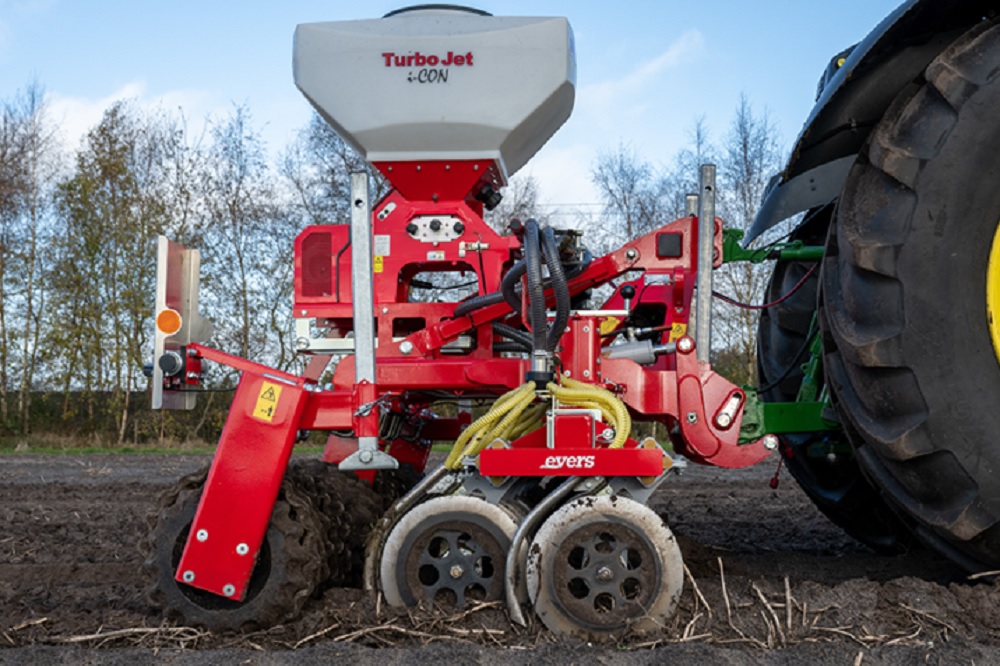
[[487, 422], [510, 346], [477, 302], [509, 285], [550, 251], [511, 333], [536, 292]]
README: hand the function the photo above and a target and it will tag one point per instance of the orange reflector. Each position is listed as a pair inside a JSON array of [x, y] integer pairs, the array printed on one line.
[[168, 321]]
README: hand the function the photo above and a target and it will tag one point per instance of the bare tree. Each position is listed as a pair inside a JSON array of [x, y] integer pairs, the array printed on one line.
[[625, 182], [249, 234], [109, 211], [317, 166], [638, 198], [750, 155], [681, 177], [29, 154]]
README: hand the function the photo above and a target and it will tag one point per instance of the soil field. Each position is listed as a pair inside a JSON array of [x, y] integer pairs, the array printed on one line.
[[769, 581]]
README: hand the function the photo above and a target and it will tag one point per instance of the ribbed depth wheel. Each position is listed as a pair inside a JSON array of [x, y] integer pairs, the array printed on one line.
[[288, 567], [601, 566], [448, 551]]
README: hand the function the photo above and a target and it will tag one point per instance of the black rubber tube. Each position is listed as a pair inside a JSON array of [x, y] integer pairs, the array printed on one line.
[[550, 251], [536, 291], [520, 337], [477, 302], [510, 283]]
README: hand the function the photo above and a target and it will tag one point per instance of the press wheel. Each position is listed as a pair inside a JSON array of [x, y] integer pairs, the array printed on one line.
[[447, 551], [602, 566]]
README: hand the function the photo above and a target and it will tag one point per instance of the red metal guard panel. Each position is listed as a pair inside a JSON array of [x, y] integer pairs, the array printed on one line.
[[242, 485], [571, 462]]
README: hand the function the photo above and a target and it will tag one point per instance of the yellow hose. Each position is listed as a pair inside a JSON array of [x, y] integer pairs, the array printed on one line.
[[624, 419], [502, 428], [575, 393], [486, 422], [534, 419]]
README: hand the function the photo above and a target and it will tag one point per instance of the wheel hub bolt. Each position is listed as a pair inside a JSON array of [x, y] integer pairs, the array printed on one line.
[[456, 571], [605, 575]]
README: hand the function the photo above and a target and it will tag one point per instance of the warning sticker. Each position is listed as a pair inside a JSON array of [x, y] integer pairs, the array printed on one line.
[[677, 331], [609, 324], [378, 263], [267, 402]]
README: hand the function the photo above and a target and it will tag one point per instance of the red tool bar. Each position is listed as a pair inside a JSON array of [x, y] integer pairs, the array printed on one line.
[[571, 462]]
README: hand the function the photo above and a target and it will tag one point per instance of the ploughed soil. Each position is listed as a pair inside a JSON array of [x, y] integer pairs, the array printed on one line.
[[769, 580]]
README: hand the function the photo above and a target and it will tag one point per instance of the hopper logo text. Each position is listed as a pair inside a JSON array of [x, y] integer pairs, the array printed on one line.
[[432, 68]]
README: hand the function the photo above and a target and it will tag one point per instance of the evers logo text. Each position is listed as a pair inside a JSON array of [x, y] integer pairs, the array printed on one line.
[[568, 462], [419, 59]]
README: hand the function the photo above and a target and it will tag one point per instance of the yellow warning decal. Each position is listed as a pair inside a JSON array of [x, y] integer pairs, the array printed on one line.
[[609, 324], [378, 263], [677, 331], [267, 402]]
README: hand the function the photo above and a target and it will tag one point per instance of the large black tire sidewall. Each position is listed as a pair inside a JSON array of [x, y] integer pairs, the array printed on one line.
[[822, 463], [914, 368]]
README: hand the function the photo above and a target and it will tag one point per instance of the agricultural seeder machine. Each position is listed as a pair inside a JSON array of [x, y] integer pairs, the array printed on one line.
[[541, 501]]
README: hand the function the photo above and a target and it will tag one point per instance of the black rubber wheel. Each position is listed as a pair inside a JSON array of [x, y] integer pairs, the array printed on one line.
[[822, 463], [347, 509], [909, 358], [391, 484], [289, 565]]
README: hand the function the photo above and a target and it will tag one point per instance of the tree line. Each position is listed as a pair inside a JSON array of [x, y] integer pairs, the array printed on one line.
[[78, 257], [78, 229]]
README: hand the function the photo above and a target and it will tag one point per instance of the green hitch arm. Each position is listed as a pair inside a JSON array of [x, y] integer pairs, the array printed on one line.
[[781, 418], [803, 415], [732, 250]]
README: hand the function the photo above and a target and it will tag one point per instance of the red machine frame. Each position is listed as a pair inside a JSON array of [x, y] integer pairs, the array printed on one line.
[[415, 364]]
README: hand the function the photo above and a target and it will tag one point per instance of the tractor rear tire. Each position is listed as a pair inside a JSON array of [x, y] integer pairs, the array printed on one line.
[[822, 463], [909, 356]]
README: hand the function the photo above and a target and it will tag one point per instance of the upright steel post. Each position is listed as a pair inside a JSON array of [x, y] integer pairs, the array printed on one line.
[[362, 282], [706, 249], [691, 205]]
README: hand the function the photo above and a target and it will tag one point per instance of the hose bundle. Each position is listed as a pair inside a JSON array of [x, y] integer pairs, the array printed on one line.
[[588, 396], [499, 422]]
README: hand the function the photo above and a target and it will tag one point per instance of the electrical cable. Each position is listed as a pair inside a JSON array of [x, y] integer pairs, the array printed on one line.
[[765, 306], [791, 366]]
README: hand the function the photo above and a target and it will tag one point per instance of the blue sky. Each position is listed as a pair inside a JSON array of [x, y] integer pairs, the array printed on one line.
[[645, 70]]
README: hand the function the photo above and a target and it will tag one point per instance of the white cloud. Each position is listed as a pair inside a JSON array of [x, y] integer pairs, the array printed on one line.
[[563, 176], [604, 113], [75, 116], [608, 102]]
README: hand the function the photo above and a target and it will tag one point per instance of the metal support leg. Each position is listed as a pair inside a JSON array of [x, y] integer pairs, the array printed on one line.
[[706, 248], [368, 455]]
